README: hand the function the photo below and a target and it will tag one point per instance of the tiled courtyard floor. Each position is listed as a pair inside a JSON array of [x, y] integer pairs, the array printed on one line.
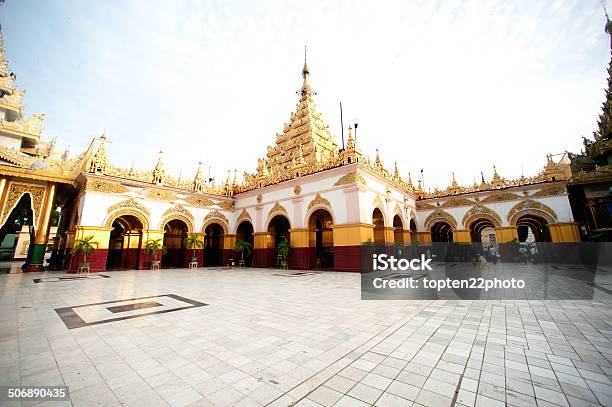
[[267, 337]]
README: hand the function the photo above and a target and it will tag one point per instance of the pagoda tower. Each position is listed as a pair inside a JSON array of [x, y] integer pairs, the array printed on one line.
[[306, 139]]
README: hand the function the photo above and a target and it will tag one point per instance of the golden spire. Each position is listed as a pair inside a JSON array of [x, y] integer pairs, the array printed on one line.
[[410, 185], [350, 144], [99, 161], [378, 163], [198, 180], [305, 73], [158, 172], [454, 181], [235, 180], [496, 177], [420, 188], [396, 174]]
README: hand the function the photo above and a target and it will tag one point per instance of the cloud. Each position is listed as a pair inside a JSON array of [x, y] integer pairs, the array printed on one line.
[[453, 85]]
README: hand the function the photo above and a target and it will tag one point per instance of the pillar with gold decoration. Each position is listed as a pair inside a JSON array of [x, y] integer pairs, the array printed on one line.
[[564, 232], [146, 257], [263, 249], [195, 251], [348, 241], [301, 254], [36, 254], [229, 255], [100, 237]]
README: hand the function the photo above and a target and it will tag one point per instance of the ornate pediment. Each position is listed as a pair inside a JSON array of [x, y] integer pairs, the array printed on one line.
[[178, 210], [318, 200], [216, 214], [551, 190], [531, 207], [279, 208], [440, 215], [481, 212], [130, 203], [244, 215]]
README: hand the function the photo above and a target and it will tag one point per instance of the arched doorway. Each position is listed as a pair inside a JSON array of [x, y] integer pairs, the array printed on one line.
[[398, 229], [17, 224], [175, 241], [213, 235], [477, 229], [125, 243], [413, 231], [322, 238], [379, 226], [278, 228], [245, 232], [441, 232], [532, 228]]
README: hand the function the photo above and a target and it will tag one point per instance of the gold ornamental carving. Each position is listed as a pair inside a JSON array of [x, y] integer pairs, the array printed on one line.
[[423, 206], [548, 191], [297, 190], [455, 202], [227, 205], [199, 201], [319, 200], [215, 215], [353, 177], [500, 197], [15, 192], [440, 215], [481, 212], [129, 204], [259, 198], [105, 187], [158, 194], [531, 207], [397, 209]]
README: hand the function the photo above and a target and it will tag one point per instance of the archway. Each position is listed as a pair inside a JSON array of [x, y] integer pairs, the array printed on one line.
[[532, 228], [213, 235], [17, 224], [379, 226], [478, 226], [413, 231], [441, 232], [175, 241], [245, 232], [398, 229], [320, 228], [125, 243], [278, 228]]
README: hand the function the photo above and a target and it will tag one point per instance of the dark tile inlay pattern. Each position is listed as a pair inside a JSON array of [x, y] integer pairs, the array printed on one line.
[[132, 307], [69, 278], [72, 320]]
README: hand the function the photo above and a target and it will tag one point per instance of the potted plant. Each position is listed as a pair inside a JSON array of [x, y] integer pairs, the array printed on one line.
[[282, 249], [85, 245], [242, 246], [399, 246], [194, 243], [154, 246]]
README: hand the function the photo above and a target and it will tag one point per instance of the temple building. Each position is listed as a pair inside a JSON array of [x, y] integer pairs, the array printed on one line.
[[323, 199], [591, 184]]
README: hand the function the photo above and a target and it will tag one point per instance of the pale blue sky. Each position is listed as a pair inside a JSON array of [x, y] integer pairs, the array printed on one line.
[[446, 85]]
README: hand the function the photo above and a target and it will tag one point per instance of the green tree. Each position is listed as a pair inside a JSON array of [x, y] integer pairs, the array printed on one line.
[[154, 246], [282, 249], [85, 245], [243, 246], [194, 243]]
